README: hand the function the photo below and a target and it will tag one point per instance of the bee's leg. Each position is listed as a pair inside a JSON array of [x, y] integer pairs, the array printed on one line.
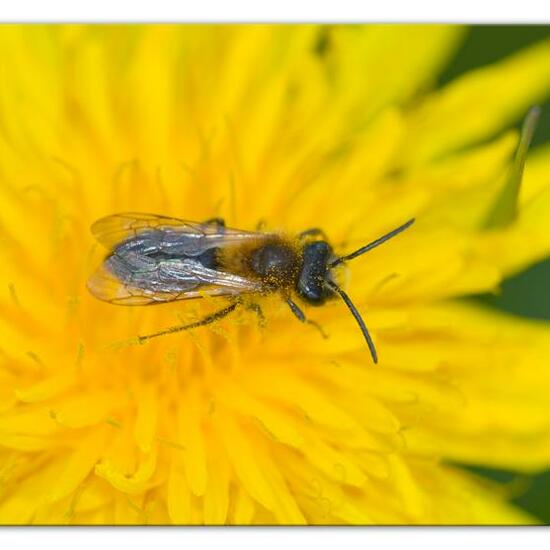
[[260, 226], [213, 317], [218, 222], [313, 232], [296, 310], [302, 317], [258, 311], [215, 221], [251, 306]]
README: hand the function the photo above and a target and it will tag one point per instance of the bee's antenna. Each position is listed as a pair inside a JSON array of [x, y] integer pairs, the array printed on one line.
[[358, 318], [371, 245]]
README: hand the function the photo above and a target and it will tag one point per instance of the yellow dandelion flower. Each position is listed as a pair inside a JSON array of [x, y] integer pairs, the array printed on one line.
[[298, 126]]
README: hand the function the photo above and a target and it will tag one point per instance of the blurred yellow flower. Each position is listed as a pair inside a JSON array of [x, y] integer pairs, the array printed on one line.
[[299, 126]]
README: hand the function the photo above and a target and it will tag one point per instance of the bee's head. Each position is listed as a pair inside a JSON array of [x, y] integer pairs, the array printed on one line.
[[312, 282], [315, 283]]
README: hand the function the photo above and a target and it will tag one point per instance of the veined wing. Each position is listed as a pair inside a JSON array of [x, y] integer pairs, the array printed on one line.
[[165, 234], [131, 279]]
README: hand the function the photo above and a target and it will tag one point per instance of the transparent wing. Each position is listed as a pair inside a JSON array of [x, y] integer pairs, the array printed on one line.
[[134, 280], [167, 234]]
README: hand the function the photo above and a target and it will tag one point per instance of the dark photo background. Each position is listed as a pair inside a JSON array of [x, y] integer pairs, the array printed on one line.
[[527, 294]]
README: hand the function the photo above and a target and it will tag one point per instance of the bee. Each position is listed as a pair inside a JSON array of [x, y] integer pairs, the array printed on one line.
[[157, 259]]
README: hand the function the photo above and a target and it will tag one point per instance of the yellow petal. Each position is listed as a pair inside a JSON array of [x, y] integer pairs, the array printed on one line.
[[279, 425], [146, 420], [192, 438], [179, 495], [409, 489], [83, 409], [48, 388], [414, 52], [243, 508], [136, 483], [478, 104], [537, 174], [78, 465], [216, 496], [247, 469]]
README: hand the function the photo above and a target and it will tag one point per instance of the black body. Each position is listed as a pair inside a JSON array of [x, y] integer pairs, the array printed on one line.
[[156, 259]]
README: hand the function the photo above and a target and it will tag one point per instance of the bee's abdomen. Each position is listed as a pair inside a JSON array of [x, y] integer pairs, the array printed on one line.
[[208, 258]]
